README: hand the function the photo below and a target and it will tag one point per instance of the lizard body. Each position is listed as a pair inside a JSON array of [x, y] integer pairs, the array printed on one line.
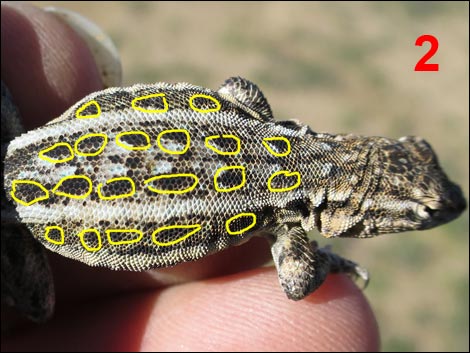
[[153, 175]]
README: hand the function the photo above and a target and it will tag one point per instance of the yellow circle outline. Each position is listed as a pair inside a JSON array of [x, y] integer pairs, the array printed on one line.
[[102, 197], [93, 154], [287, 174], [217, 103], [50, 160], [278, 138], [188, 141], [133, 148], [86, 105], [13, 190], [52, 241], [90, 230], [122, 242], [219, 151], [236, 187], [165, 103], [79, 197], [168, 176], [173, 242], [231, 219]]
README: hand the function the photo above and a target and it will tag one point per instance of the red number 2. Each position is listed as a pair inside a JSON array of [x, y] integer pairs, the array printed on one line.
[[421, 65]]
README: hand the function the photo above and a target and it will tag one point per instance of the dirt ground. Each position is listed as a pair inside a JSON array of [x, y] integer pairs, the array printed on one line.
[[339, 67]]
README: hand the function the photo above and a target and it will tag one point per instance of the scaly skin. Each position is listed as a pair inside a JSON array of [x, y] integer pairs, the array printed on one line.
[[153, 175]]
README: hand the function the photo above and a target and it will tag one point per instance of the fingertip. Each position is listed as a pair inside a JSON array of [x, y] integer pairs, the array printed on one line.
[[45, 64], [345, 315], [249, 311], [246, 311]]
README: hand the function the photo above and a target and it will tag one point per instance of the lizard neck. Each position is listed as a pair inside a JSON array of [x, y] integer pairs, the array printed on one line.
[[341, 172]]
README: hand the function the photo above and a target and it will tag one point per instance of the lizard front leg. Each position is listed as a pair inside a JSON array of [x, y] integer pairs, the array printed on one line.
[[302, 266]]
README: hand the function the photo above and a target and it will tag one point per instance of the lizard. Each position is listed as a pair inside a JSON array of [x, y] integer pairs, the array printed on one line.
[[149, 176]]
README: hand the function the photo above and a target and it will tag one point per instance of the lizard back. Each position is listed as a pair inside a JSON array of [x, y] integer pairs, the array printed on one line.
[[152, 175]]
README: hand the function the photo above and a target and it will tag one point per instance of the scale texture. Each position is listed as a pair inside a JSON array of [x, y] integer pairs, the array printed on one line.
[[153, 175]]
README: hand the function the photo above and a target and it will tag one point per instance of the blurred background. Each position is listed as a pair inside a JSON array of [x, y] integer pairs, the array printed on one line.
[[339, 67]]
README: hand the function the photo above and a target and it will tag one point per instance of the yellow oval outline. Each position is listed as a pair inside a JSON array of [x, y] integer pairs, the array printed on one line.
[[287, 174], [188, 141], [102, 197], [277, 138], [52, 241], [122, 242], [89, 230], [168, 176], [61, 193], [220, 170], [165, 103], [206, 142], [210, 110], [55, 145], [121, 144], [86, 105], [173, 242], [231, 219], [13, 190], [105, 142]]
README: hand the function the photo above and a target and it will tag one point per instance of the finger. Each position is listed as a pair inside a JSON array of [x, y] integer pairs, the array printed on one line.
[[249, 312], [46, 65], [246, 312]]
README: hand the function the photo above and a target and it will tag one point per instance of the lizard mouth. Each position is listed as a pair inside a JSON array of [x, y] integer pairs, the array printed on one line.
[[445, 210]]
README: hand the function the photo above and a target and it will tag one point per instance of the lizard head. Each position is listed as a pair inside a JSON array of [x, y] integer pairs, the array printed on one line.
[[402, 188], [413, 191]]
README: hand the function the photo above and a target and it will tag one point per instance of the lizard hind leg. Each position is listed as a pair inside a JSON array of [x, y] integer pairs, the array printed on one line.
[[302, 267]]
